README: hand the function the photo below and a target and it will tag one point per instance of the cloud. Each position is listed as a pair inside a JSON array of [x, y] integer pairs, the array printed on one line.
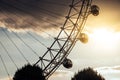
[[110, 73], [109, 16], [37, 15], [5, 78], [61, 74], [116, 68], [109, 68], [32, 15]]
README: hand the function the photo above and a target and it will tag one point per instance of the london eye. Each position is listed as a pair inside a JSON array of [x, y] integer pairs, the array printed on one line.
[[60, 46]]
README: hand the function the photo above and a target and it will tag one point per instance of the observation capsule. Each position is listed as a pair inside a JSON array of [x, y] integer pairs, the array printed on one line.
[[95, 10], [83, 38], [67, 63]]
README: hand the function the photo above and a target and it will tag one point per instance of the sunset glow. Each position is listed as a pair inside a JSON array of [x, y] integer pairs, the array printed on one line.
[[60, 38], [105, 38]]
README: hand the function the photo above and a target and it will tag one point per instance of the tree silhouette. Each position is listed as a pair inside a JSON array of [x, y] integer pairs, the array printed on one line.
[[29, 72], [87, 74]]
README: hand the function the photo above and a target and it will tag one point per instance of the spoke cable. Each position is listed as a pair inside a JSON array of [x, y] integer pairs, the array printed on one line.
[[26, 44], [33, 36], [5, 67], [31, 14], [8, 55], [16, 46], [37, 40], [54, 3], [40, 8]]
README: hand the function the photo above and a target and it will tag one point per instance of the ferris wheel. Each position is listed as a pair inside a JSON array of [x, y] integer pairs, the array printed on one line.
[[70, 32]]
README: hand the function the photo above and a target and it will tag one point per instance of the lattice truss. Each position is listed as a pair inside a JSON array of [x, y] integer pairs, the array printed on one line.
[[70, 33]]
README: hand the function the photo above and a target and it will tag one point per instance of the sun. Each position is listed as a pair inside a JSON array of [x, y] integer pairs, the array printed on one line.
[[105, 38], [103, 35]]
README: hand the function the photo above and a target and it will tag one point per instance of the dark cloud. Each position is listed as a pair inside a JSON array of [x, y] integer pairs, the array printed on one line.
[[32, 14], [37, 15]]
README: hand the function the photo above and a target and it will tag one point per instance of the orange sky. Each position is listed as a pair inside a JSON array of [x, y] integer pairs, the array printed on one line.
[[109, 16]]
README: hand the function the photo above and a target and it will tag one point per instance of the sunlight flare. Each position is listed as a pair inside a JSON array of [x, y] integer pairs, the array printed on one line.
[[105, 38]]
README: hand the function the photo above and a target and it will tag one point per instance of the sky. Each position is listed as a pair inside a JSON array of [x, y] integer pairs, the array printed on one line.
[[39, 17]]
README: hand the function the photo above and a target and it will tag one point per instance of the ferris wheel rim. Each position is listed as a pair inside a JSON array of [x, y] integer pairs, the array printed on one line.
[[70, 48], [79, 10]]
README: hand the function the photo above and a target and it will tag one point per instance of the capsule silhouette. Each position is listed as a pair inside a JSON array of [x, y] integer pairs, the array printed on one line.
[[95, 10], [83, 38], [67, 63]]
